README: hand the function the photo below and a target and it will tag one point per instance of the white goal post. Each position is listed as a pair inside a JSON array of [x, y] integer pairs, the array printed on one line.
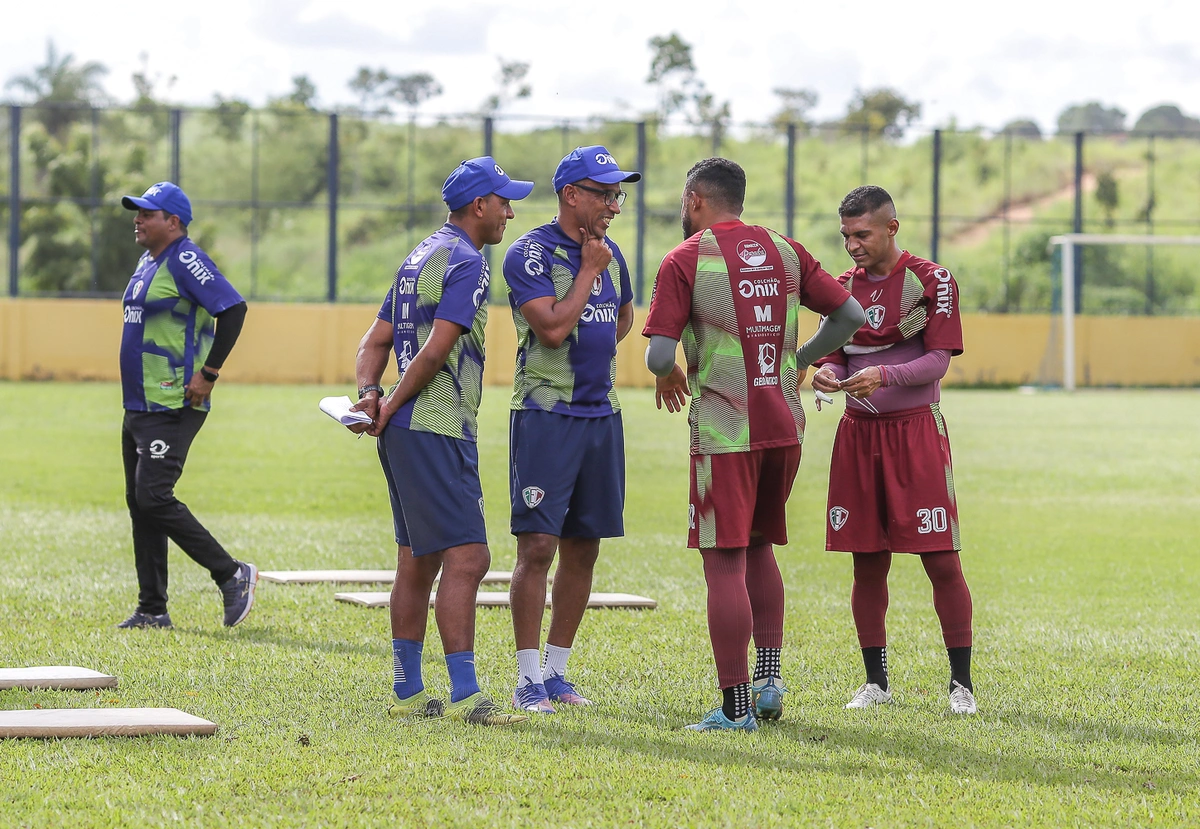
[[1069, 242]]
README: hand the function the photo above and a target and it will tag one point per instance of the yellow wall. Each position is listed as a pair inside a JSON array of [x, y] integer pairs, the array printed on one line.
[[70, 339]]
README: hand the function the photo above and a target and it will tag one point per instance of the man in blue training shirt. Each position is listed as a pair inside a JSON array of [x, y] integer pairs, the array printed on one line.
[[433, 318], [572, 303], [170, 358]]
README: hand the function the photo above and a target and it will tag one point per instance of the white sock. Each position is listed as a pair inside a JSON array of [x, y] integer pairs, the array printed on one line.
[[527, 667], [556, 662]]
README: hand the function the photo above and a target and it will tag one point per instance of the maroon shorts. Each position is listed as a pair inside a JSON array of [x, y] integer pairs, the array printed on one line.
[[737, 493], [891, 485]]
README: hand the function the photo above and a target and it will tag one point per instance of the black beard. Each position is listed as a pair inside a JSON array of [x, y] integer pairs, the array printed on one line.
[[686, 222]]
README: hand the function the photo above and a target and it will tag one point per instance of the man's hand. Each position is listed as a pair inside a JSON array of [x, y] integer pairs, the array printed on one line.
[[862, 383], [594, 255], [197, 391], [385, 412], [370, 405], [672, 389], [826, 381]]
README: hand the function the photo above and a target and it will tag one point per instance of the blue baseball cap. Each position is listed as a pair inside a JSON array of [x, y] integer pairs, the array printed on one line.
[[162, 196], [481, 177], [593, 162]]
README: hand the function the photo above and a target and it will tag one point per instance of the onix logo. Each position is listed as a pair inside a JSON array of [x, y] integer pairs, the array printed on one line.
[[758, 288], [406, 285], [875, 316], [945, 294], [485, 279], [158, 449], [838, 517], [195, 267], [766, 358], [500, 172], [752, 253], [605, 158]]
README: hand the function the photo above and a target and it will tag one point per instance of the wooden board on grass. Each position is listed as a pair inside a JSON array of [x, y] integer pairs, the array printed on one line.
[[55, 677], [496, 598], [356, 576], [102, 722]]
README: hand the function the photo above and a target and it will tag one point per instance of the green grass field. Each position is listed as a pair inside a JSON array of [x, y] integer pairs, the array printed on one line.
[[1079, 514]]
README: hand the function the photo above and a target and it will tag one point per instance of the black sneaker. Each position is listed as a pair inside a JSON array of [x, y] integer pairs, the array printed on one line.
[[238, 593], [147, 620]]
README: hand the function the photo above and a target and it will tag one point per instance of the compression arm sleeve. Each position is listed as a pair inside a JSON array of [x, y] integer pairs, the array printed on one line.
[[834, 332], [925, 369], [660, 355], [229, 327]]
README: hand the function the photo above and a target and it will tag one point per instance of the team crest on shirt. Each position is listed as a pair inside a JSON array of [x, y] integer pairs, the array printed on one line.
[[691, 516], [533, 496], [137, 288], [598, 284], [838, 517], [752, 253], [875, 316]]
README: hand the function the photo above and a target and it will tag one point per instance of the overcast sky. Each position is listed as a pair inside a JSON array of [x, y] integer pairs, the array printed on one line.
[[981, 64]]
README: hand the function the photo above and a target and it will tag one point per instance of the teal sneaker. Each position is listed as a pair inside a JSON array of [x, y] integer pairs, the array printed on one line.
[[717, 721], [420, 704], [767, 696]]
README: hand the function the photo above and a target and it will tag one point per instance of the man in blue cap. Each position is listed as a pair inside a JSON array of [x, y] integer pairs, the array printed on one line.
[[171, 355], [572, 302], [433, 318]]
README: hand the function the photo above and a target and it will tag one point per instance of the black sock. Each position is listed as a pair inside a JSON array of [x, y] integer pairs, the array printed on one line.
[[736, 702], [875, 661], [766, 663], [960, 667]]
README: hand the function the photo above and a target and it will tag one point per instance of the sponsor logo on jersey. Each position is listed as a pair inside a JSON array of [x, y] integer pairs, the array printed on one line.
[[485, 279], [604, 312], [752, 253], [195, 267], [767, 354], [533, 496], [945, 294], [875, 316], [762, 313], [167, 385], [158, 449], [691, 516], [750, 288], [534, 264], [875, 295], [404, 311], [137, 288], [133, 314], [837, 517], [405, 357], [406, 285]]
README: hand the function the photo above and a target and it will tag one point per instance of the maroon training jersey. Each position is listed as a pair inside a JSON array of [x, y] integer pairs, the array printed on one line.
[[732, 295]]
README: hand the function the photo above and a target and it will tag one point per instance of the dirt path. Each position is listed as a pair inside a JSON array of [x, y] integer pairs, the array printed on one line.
[[978, 231]]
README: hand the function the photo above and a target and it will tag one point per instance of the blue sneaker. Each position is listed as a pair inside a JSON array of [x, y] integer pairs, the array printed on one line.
[[146, 620], [559, 690], [717, 721], [238, 593], [767, 695], [532, 697]]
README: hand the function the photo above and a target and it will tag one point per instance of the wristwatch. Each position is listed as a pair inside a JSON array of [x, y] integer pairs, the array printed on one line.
[[362, 392], [210, 376]]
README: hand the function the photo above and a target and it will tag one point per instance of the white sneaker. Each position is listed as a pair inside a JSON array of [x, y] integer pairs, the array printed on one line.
[[962, 701], [870, 694]]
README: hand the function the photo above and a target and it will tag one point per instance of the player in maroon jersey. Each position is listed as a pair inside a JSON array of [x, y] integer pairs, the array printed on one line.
[[891, 483], [732, 293]]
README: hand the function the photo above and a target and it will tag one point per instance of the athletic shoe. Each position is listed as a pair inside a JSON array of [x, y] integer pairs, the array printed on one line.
[[480, 710], [869, 695], [717, 721], [564, 692], [238, 593], [532, 697], [962, 701], [768, 698], [147, 620], [420, 704]]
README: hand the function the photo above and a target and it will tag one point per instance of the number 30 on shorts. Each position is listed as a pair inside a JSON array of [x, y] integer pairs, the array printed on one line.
[[932, 520]]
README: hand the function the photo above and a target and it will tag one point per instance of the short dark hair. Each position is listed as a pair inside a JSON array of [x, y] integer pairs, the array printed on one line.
[[863, 200], [719, 179]]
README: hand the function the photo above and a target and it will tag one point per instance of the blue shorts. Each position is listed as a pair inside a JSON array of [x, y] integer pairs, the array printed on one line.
[[433, 483], [567, 474]]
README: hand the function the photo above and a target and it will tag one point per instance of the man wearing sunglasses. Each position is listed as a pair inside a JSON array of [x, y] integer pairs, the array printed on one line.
[[571, 301]]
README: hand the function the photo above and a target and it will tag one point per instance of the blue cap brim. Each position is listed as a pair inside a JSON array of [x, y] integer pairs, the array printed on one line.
[[515, 190], [136, 202], [616, 177]]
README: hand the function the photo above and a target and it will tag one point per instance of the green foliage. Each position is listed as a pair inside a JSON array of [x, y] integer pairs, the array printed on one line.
[[1077, 526], [64, 88], [1107, 195], [1166, 118], [884, 112], [1091, 117], [1023, 128]]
